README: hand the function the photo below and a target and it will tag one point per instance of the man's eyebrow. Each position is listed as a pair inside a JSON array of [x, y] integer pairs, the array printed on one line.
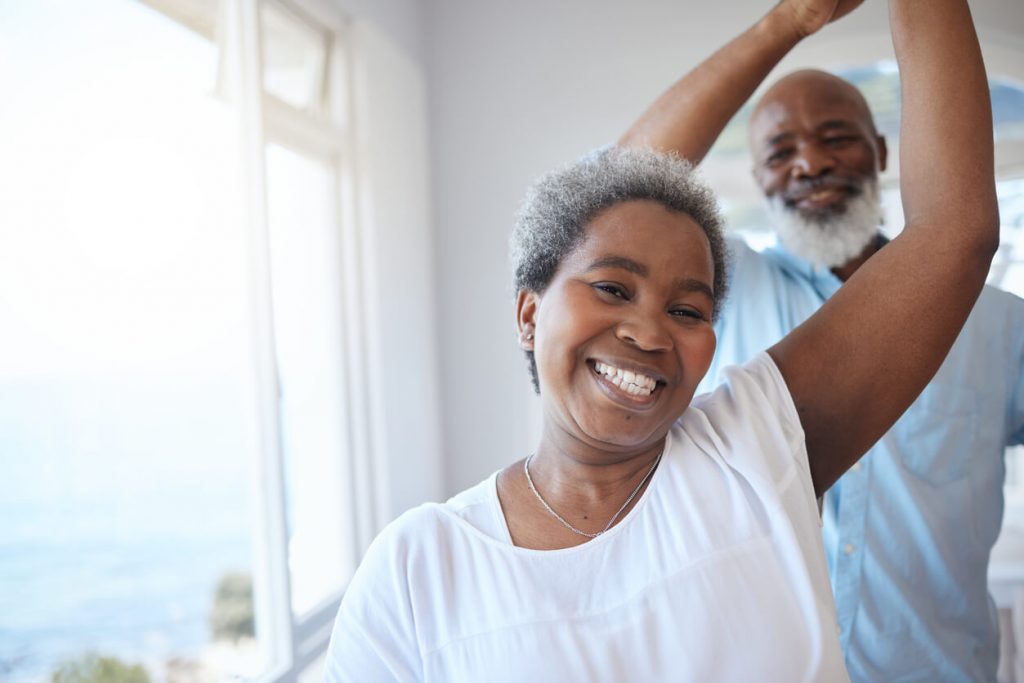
[[618, 262], [690, 284], [778, 139], [833, 124]]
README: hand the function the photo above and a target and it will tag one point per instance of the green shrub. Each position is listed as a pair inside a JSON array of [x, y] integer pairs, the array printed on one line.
[[94, 668], [232, 615]]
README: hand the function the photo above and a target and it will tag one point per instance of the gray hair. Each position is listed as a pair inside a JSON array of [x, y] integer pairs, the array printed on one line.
[[553, 217]]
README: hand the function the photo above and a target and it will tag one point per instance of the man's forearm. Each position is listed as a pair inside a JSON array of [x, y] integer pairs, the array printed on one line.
[[689, 116]]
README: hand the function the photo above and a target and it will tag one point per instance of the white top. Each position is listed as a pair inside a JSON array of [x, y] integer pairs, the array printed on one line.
[[716, 574]]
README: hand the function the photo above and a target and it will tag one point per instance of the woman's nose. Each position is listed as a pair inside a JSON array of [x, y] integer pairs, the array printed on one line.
[[645, 334]]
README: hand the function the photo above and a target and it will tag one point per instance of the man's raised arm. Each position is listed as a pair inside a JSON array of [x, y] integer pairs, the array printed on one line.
[[690, 115]]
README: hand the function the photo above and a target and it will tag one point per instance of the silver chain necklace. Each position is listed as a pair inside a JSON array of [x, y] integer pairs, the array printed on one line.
[[570, 527]]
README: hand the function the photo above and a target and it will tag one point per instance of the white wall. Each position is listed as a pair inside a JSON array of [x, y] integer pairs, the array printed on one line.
[[398, 21], [518, 87], [393, 207], [392, 153]]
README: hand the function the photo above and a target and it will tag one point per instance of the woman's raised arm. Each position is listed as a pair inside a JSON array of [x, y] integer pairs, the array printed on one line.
[[858, 363]]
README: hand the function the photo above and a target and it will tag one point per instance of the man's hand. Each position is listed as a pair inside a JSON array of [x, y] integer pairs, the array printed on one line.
[[810, 16]]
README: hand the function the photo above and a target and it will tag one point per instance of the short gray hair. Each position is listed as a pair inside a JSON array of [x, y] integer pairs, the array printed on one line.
[[553, 217]]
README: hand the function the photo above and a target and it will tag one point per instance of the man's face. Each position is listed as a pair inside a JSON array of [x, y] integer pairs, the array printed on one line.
[[816, 158]]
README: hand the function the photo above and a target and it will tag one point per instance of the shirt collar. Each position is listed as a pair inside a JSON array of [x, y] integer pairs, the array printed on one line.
[[820, 277]]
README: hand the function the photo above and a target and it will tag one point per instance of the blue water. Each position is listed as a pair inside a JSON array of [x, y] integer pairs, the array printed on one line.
[[121, 506]]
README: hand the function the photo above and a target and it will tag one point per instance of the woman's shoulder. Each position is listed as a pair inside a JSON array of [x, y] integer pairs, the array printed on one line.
[[412, 529], [750, 416], [757, 384], [429, 527]]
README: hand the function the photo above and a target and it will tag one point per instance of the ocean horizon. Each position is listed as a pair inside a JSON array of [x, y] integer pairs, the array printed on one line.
[[121, 507]]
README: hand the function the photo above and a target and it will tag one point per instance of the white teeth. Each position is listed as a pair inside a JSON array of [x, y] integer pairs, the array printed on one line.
[[628, 380]]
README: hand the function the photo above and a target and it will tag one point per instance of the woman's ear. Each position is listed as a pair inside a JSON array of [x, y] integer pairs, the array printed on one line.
[[526, 314]]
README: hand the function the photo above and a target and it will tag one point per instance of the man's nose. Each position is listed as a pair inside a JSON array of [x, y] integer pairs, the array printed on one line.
[[811, 161]]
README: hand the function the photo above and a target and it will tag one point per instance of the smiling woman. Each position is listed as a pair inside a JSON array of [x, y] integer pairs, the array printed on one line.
[[653, 535], [625, 280]]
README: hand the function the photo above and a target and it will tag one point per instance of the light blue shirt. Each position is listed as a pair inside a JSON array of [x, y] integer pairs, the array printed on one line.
[[909, 529]]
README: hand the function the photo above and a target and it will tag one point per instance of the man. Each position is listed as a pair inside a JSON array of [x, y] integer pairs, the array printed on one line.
[[909, 530]]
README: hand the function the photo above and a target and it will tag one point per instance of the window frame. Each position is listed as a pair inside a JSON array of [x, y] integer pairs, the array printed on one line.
[[291, 643]]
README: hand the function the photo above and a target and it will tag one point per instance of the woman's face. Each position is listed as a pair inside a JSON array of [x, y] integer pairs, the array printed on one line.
[[623, 335]]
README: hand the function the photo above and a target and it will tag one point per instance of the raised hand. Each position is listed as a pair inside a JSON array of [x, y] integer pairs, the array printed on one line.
[[810, 16], [691, 114]]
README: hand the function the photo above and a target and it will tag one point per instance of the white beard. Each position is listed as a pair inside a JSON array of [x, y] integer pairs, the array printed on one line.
[[833, 240]]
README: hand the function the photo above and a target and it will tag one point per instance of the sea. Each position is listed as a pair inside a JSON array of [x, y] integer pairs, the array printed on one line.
[[122, 504]]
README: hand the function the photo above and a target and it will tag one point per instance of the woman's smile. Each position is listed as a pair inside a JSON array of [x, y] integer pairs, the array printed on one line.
[[632, 388]]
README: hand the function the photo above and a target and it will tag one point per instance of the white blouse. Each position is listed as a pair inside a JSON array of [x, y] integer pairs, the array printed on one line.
[[716, 574]]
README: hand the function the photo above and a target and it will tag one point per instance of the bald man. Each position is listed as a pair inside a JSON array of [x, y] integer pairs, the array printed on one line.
[[909, 529]]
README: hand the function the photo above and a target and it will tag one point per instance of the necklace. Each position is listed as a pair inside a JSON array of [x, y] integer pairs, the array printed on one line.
[[570, 527]]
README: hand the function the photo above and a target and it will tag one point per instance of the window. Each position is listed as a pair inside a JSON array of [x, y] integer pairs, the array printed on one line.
[[180, 394], [304, 250]]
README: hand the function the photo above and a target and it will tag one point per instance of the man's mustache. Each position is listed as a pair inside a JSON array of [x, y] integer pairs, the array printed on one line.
[[803, 188]]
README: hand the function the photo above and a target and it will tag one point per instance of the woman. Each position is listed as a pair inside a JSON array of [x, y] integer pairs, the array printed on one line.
[[653, 536]]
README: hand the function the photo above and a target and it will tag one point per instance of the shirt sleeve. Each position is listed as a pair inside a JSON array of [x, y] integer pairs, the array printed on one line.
[[750, 424], [374, 636], [751, 421], [1016, 416]]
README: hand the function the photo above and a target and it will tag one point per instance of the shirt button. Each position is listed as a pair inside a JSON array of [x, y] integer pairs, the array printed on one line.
[[856, 467], [848, 548]]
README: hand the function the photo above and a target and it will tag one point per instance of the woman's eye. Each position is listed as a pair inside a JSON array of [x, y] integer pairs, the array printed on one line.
[[690, 313], [613, 290]]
